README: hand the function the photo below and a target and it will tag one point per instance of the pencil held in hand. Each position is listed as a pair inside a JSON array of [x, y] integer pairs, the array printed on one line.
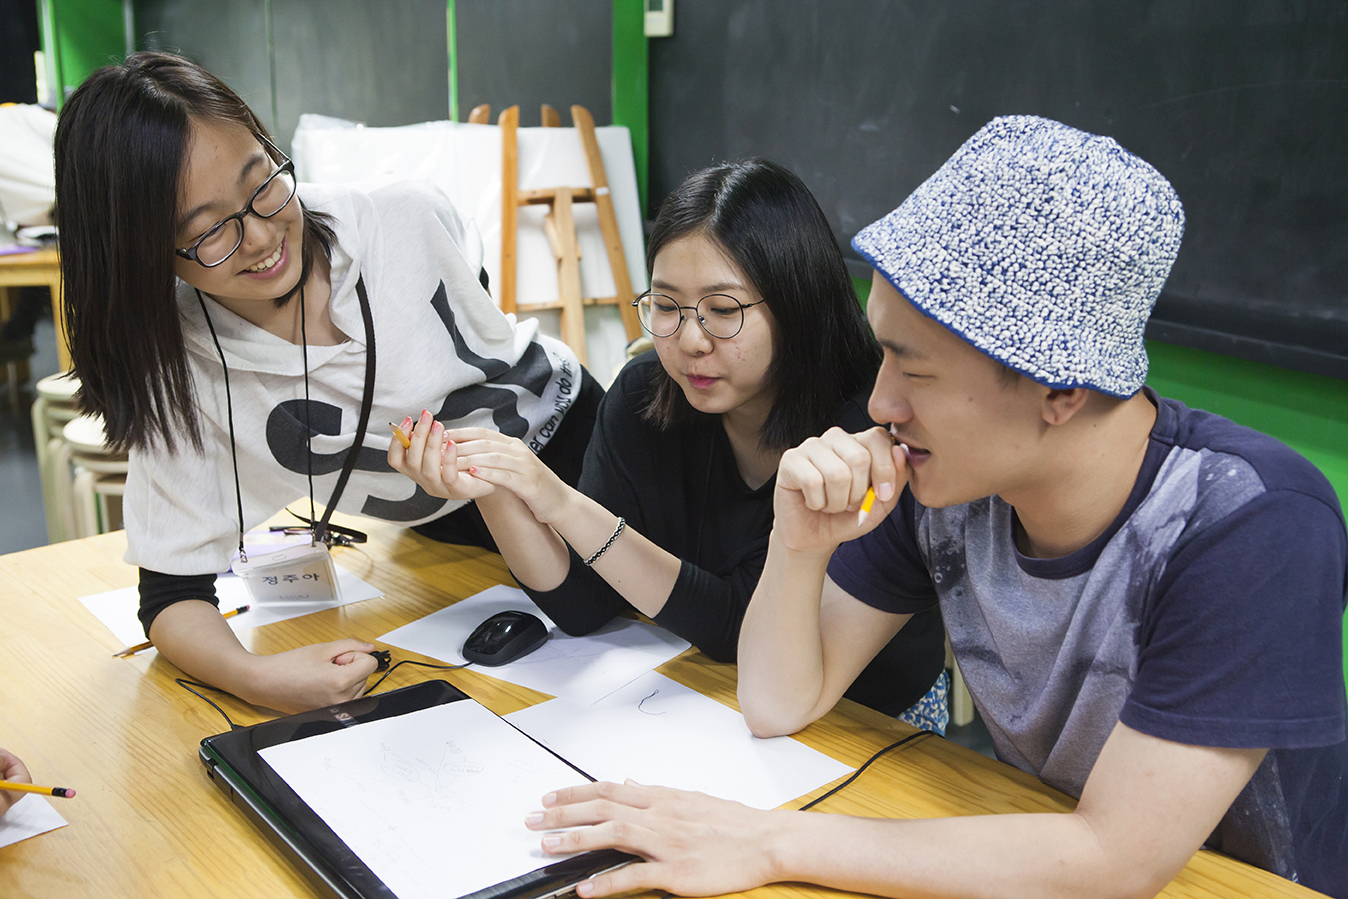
[[63, 792], [866, 502], [402, 438]]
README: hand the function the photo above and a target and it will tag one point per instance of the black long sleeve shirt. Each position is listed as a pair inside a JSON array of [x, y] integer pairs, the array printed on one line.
[[682, 490]]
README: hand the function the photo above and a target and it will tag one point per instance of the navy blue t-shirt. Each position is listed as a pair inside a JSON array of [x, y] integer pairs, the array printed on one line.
[[1209, 613]]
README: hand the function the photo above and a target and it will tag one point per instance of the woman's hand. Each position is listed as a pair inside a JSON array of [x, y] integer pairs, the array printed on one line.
[[432, 461], [311, 677], [12, 768], [693, 844], [822, 482], [494, 459]]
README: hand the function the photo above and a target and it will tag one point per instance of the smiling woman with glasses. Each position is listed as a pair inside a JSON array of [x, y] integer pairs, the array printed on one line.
[[225, 236], [759, 344], [225, 322]]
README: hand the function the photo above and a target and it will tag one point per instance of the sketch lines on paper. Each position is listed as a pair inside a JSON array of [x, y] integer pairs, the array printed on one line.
[[442, 790], [426, 785]]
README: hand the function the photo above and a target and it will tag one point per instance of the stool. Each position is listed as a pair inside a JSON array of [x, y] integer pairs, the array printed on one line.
[[961, 703], [53, 407], [85, 470]]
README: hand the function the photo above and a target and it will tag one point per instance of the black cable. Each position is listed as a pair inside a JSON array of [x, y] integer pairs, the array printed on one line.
[[188, 684], [908, 739], [398, 665]]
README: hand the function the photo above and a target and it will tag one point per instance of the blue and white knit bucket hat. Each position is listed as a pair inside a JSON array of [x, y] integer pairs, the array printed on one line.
[[1043, 246]]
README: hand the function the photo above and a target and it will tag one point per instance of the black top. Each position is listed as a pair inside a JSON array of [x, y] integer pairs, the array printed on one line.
[[682, 490]]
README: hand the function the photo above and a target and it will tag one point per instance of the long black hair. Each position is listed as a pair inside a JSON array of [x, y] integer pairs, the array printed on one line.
[[766, 220], [120, 144]]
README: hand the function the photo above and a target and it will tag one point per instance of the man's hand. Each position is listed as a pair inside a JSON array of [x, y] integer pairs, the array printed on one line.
[[694, 844], [822, 482]]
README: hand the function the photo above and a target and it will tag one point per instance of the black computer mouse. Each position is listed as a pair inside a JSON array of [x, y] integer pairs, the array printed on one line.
[[504, 637]]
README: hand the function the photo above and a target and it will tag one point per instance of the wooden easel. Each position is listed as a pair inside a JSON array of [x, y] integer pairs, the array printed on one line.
[[560, 227]]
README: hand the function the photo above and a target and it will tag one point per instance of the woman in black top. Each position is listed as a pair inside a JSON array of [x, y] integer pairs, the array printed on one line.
[[759, 344]]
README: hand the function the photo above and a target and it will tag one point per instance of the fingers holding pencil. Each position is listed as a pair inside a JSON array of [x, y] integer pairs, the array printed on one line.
[[15, 781], [20, 787]]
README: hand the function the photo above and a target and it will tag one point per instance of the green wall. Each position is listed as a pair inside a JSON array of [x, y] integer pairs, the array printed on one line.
[[1307, 412], [79, 36], [631, 103]]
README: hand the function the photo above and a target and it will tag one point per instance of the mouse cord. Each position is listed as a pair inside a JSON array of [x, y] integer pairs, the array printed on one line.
[[398, 665], [189, 684], [894, 745]]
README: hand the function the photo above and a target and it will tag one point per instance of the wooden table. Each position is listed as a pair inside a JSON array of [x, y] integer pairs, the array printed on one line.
[[147, 822], [41, 268]]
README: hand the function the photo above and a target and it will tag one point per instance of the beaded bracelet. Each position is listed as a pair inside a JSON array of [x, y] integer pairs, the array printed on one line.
[[603, 549]]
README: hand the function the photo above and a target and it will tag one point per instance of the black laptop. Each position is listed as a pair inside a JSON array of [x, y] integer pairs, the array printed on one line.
[[233, 762]]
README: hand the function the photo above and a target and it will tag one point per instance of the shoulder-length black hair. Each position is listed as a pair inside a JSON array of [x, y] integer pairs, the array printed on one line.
[[120, 145], [765, 219]]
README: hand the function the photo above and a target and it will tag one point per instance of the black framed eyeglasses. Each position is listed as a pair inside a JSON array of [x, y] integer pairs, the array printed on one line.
[[226, 235], [719, 314]]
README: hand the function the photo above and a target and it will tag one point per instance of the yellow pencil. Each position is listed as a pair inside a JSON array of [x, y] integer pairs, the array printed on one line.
[[63, 792], [132, 650], [868, 500], [402, 438]]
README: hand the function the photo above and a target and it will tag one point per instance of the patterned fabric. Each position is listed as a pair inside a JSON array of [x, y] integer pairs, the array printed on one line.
[[1043, 246], [931, 712]]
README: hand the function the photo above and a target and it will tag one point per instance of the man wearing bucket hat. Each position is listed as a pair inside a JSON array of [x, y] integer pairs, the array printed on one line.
[[1145, 600]]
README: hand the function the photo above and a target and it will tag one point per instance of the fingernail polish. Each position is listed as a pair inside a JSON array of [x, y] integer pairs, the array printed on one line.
[[551, 842], [549, 799], [533, 818]]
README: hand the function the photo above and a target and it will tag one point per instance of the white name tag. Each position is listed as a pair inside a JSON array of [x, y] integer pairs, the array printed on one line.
[[294, 574]]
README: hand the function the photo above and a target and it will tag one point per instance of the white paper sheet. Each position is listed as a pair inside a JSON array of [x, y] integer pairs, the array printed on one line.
[[433, 801], [581, 669], [657, 731], [117, 608], [30, 816]]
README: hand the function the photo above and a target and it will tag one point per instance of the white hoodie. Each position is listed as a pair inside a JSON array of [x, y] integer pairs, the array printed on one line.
[[441, 344]]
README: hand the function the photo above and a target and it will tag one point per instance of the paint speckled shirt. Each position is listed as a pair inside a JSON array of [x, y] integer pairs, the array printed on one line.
[[1209, 613]]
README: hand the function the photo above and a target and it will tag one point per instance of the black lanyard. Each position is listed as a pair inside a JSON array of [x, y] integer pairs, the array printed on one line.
[[367, 400]]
